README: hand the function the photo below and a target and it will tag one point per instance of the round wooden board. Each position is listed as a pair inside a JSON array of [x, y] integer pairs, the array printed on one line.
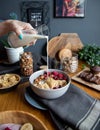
[[65, 40], [55, 44]]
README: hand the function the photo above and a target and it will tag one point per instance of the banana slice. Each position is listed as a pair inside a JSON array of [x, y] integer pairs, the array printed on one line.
[[43, 67], [26, 126]]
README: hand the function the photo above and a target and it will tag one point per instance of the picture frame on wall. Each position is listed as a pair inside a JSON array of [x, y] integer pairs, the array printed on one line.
[[69, 8]]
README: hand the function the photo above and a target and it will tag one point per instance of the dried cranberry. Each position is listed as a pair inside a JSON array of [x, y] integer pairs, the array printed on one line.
[[7, 128], [55, 87], [45, 75], [60, 86], [45, 72], [64, 78]]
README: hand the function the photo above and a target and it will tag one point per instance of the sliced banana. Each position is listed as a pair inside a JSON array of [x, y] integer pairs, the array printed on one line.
[[26, 126], [43, 67]]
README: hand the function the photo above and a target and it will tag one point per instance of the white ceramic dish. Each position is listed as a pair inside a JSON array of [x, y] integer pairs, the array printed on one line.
[[48, 93]]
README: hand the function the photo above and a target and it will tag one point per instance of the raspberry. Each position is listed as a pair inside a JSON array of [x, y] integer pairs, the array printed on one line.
[[55, 73], [56, 77], [48, 73], [55, 87], [45, 72], [60, 76]]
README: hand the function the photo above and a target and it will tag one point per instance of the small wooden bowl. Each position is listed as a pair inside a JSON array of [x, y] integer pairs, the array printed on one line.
[[10, 87], [21, 117]]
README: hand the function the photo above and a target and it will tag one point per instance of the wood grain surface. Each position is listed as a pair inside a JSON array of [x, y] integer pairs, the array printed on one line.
[[21, 117], [65, 40]]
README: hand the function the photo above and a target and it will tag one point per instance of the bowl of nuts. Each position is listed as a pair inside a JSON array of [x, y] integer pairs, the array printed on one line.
[[49, 84]]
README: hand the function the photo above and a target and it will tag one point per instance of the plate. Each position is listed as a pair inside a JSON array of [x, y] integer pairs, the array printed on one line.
[[8, 87], [91, 85], [32, 101], [21, 117]]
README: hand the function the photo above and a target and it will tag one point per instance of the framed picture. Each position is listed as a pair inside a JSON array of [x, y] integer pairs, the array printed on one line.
[[69, 8]]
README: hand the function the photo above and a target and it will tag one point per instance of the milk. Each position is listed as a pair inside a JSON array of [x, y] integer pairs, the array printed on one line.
[[15, 42]]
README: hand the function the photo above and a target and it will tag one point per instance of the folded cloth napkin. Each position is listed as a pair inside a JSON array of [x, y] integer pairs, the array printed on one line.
[[75, 109], [7, 68]]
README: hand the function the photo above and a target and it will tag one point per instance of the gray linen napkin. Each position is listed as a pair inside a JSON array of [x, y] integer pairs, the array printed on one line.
[[7, 68], [75, 109]]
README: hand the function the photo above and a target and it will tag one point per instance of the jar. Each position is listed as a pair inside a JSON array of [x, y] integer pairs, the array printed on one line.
[[26, 63], [71, 64]]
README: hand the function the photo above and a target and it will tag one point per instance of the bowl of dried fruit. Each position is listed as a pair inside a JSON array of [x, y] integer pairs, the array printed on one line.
[[9, 82], [49, 84]]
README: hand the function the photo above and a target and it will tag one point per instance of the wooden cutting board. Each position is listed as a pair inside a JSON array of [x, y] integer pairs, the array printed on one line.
[[65, 40], [91, 85]]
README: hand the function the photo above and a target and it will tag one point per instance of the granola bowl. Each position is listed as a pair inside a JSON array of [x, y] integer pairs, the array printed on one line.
[[49, 84]]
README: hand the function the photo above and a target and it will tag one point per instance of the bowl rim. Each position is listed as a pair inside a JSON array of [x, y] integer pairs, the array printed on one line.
[[58, 89]]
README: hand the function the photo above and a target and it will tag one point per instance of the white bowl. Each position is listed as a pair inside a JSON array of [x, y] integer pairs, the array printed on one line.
[[48, 93]]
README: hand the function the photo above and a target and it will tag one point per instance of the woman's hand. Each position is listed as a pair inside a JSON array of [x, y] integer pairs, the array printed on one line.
[[15, 26]]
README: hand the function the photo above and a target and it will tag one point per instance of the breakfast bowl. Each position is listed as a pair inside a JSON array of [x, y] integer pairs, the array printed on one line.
[[20, 120], [49, 84]]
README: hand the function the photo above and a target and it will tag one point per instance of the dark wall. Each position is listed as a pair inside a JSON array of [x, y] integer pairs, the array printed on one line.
[[88, 28]]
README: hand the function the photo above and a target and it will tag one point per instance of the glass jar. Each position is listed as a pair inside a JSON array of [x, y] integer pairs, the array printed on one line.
[[26, 63], [71, 64]]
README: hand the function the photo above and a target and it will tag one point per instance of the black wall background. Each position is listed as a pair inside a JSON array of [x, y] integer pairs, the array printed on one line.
[[88, 28]]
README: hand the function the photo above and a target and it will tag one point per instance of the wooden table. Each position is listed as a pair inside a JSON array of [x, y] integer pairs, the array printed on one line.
[[14, 100]]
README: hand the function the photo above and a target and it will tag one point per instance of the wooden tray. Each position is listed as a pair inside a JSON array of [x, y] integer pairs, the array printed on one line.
[[91, 85]]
